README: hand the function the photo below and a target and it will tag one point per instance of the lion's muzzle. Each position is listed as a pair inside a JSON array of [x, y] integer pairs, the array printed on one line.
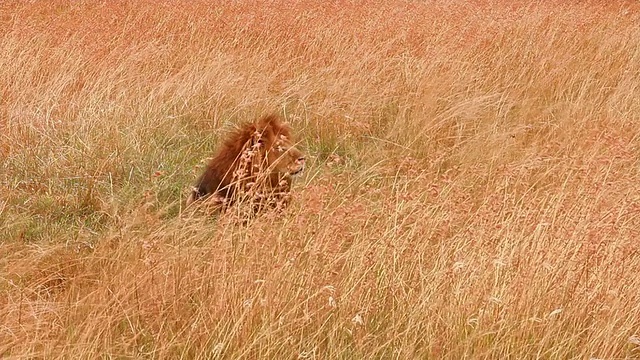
[[297, 166]]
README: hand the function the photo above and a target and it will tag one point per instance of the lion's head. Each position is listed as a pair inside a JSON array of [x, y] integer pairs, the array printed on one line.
[[282, 155], [257, 161]]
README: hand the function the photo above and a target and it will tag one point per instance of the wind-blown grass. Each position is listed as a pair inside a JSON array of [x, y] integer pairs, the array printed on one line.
[[472, 183]]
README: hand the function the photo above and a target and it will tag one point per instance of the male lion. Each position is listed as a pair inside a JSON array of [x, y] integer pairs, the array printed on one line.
[[255, 163]]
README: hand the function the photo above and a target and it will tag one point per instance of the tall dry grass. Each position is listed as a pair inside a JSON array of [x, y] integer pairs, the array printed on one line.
[[473, 188]]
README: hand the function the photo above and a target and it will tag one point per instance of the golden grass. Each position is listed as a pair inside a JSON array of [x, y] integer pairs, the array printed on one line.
[[472, 187]]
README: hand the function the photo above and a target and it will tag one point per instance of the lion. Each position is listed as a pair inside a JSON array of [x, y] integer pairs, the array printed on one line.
[[257, 162]]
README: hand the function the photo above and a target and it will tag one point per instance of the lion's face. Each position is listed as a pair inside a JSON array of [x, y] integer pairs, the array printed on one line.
[[284, 157]]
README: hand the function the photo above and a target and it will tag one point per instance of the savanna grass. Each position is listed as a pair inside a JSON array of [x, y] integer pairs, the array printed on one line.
[[472, 185]]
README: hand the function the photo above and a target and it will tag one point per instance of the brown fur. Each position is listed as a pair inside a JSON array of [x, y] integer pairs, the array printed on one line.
[[256, 162]]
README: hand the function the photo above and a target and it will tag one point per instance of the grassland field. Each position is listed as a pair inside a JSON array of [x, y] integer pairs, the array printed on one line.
[[472, 188]]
